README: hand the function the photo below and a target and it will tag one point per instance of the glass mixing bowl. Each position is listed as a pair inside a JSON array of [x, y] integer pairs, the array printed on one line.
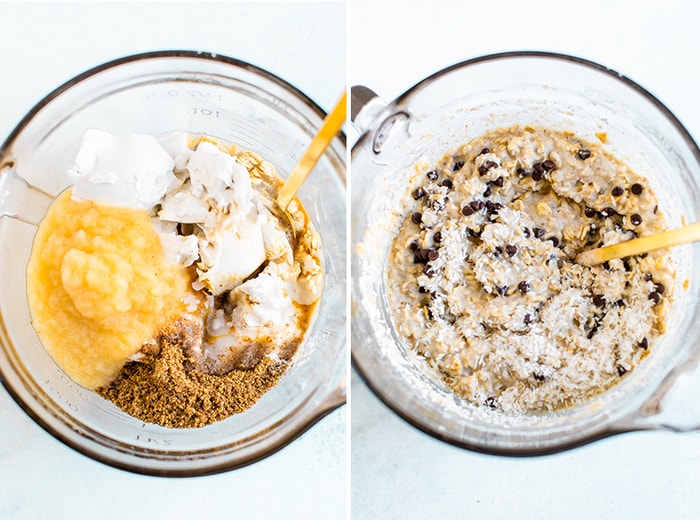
[[454, 106], [154, 93]]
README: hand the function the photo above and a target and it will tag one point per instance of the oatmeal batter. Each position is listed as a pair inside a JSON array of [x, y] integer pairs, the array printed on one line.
[[482, 280]]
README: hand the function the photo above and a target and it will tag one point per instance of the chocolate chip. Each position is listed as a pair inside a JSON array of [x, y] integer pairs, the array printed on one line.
[[584, 154], [548, 165], [457, 166], [656, 208], [498, 251], [607, 212], [589, 212], [437, 237], [644, 344], [511, 250], [428, 271], [655, 297], [620, 303], [493, 206], [432, 175], [433, 255], [522, 172], [599, 300], [636, 219], [416, 218], [420, 256], [418, 193], [502, 290], [617, 191], [524, 287], [538, 168], [490, 402], [527, 319], [637, 188], [490, 164], [539, 232], [485, 150], [487, 192], [483, 170], [413, 245], [660, 288], [621, 371], [606, 266], [536, 176], [526, 232], [422, 290], [467, 210], [499, 182], [539, 376], [477, 205], [554, 240], [648, 277], [447, 183]]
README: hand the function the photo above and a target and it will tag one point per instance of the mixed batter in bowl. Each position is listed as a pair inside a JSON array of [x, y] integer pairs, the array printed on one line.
[[482, 279]]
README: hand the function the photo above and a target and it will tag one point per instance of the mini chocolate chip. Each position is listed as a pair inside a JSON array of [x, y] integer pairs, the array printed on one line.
[[538, 168], [490, 164], [485, 150], [432, 175], [554, 240], [511, 250], [536, 176], [620, 302], [524, 287], [644, 344], [502, 290], [467, 210], [428, 271], [487, 192], [522, 172], [457, 166], [490, 402], [420, 256], [548, 165], [655, 297], [527, 319], [656, 208], [584, 154], [418, 193], [599, 300], [499, 182], [539, 232], [660, 288], [498, 251], [437, 237], [447, 183], [617, 191], [648, 277], [433, 255], [626, 265], [493, 206], [422, 290], [606, 265], [539, 376], [417, 218], [526, 232], [592, 332], [607, 212], [621, 371], [413, 245], [483, 170], [477, 205], [636, 219], [474, 233], [589, 212], [637, 188]]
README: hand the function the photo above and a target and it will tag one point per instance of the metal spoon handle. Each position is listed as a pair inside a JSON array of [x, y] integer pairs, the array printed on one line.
[[331, 124], [641, 245]]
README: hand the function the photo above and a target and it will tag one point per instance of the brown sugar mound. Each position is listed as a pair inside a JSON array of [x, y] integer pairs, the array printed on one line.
[[166, 386]]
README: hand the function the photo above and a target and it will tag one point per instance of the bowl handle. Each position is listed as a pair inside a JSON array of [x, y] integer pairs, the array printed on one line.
[[19, 199], [675, 406]]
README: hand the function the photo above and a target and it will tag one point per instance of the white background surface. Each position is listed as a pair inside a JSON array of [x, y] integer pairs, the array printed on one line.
[[399, 472], [44, 45]]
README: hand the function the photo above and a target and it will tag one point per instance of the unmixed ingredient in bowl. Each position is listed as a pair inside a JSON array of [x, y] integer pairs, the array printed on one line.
[[482, 278], [165, 280]]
